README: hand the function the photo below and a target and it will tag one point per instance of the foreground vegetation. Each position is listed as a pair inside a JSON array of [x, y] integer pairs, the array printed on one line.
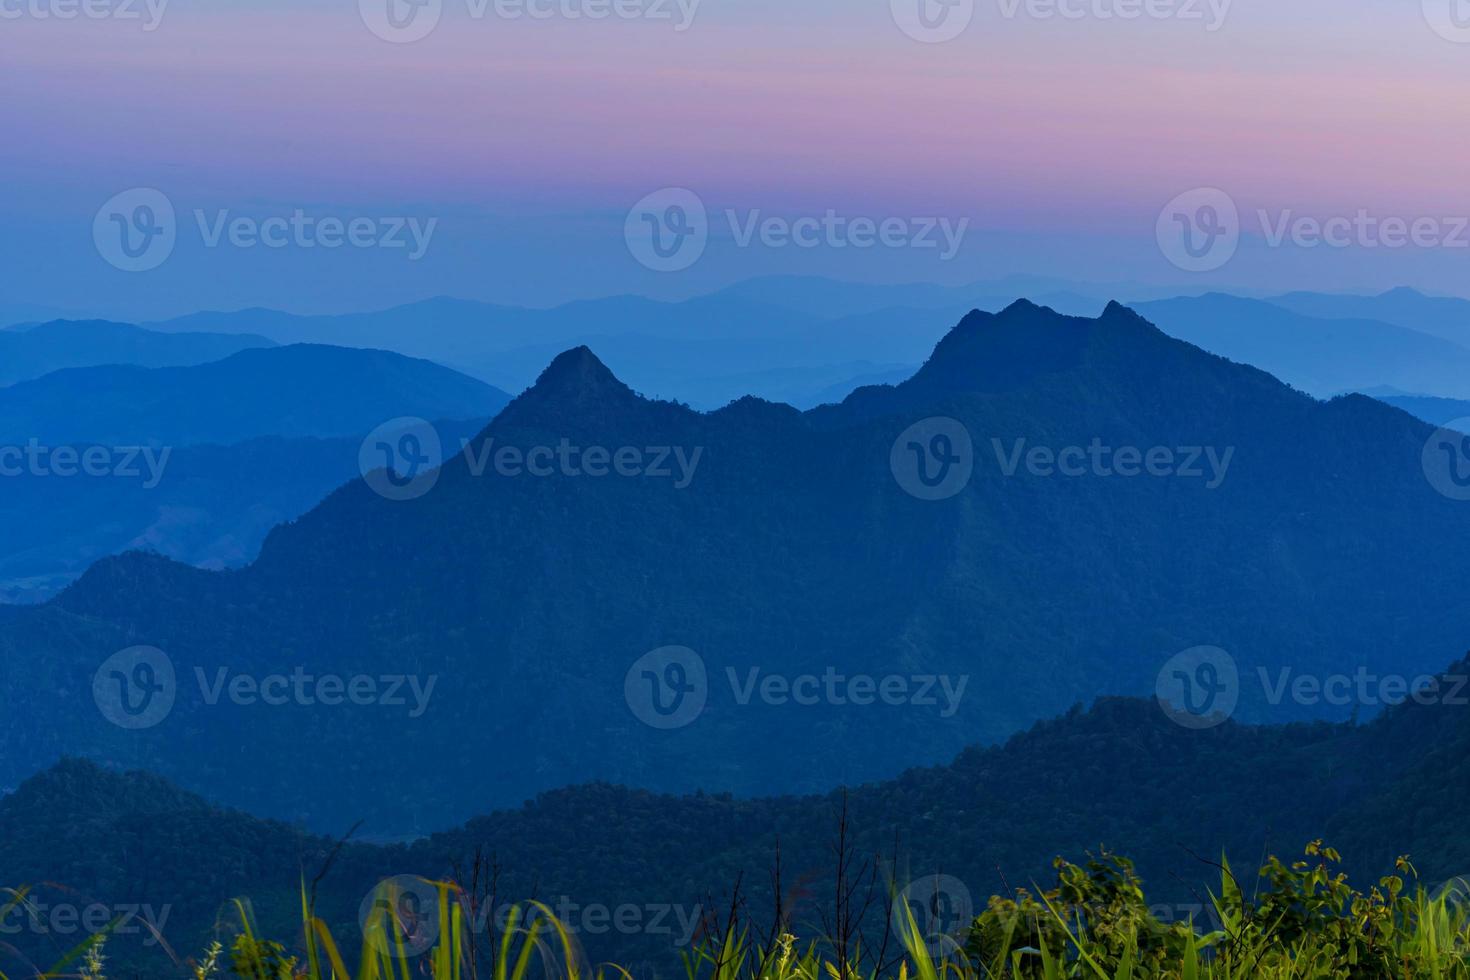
[[1299, 920]]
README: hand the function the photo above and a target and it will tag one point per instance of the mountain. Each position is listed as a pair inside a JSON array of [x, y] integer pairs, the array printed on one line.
[[606, 587], [788, 338], [295, 391], [1119, 775], [207, 505], [1446, 317], [30, 352], [1436, 411], [1320, 356], [705, 351]]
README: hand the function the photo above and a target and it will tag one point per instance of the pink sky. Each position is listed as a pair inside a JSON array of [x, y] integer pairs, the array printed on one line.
[[1039, 128]]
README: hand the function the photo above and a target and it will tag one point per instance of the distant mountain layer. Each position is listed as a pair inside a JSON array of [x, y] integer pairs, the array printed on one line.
[[1445, 317], [208, 505], [1119, 776], [795, 339], [197, 463], [779, 338], [1439, 411], [1320, 356], [293, 392], [36, 350], [1104, 498]]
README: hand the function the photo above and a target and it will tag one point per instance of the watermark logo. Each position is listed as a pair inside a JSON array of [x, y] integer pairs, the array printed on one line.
[[667, 688], [941, 910], [670, 687], [143, 463], [138, 687], [406, 21], [136, 230], [1455, 893], [933, 459], [1101, 460], [401, 21], [1199, 688], [1450, 19], [401, 458], [1199, 231], [36, 916], [1211, 13], [668, 230], [1446, 460], [933, 21], [1364, 688], [149, 12], [135, 688], [567, 459], [401, 909]]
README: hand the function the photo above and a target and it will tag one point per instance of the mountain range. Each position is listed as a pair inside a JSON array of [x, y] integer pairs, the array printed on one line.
[[1118, 775], [198, 463], [1319, 356], [30, 352], [524, 614], [293, 392]]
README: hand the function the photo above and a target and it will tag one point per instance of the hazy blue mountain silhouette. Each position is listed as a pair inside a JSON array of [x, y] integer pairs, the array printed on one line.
[[295, 391], [36, 350], [792, 549], [1320, 356], [788, 338], [1439, 411], [992, 818], [212, 507], [1446, 317]]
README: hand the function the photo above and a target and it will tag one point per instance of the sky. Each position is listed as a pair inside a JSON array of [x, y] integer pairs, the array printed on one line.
[[529, 159]]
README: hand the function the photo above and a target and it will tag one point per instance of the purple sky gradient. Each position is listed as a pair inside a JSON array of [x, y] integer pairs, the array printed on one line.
[[1059, 141]]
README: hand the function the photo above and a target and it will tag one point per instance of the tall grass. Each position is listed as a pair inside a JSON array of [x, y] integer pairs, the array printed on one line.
[[1302, 921]]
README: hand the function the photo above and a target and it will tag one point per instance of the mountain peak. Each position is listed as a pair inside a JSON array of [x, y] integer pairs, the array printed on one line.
[[576, 379]]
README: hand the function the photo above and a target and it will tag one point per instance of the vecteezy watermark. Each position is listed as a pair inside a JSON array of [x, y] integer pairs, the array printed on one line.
[[937, 21], [933, 459], [402, 912], [668, 231], [147, 13], [1099, 459], [938, 909], [1199, 688], [137, 231], [1446, 460], [1450, 19], [407, 21], [1454, 892], [402, 459], [408, 908], [137, 688], [37, 917], [1363, 687], [144, 463], [933, 21], [669, 688], [1200, 230]]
